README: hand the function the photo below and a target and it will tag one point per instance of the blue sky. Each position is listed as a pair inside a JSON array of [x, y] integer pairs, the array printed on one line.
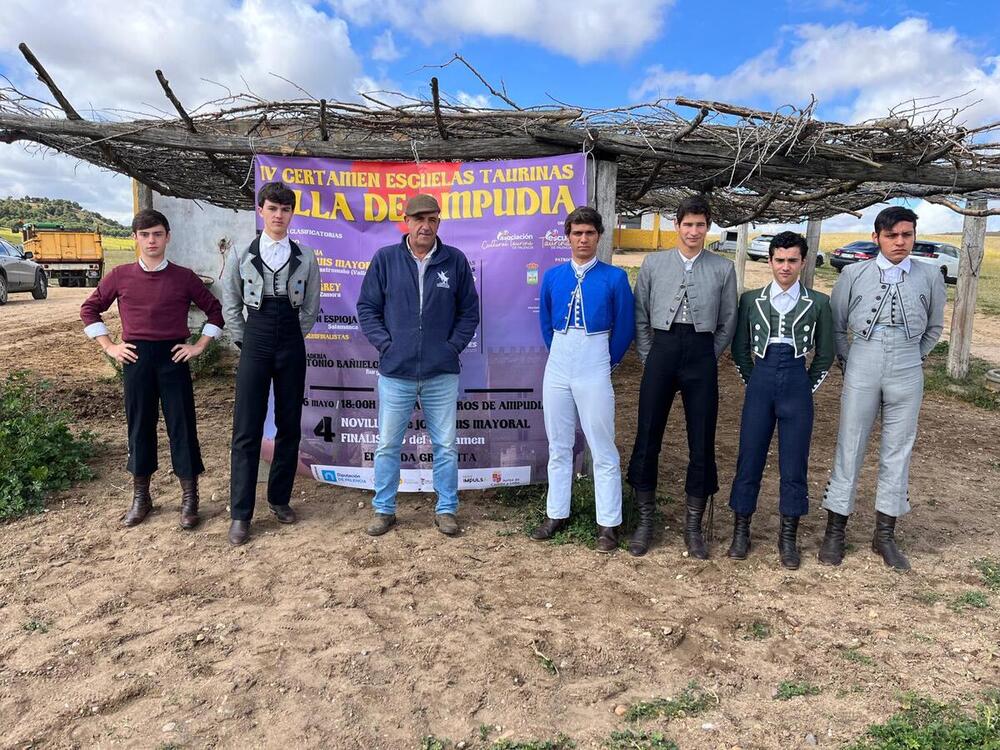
[[857, 57]]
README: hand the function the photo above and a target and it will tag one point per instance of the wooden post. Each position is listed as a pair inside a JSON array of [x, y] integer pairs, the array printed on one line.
[[142, 196], [969, 263], [602, 187], [656, 231], [813, 233], [742, 243]]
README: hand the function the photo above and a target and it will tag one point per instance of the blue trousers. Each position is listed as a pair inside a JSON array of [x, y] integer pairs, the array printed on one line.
[[779, 393]]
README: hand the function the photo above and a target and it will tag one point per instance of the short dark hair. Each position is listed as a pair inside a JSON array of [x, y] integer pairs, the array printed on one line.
[[585, 215], [694, 204], [786, 240], [149, 218], [276, 192], [889, 217]]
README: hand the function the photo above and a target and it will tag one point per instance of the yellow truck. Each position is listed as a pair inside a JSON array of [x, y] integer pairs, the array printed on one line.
[[73, 257]]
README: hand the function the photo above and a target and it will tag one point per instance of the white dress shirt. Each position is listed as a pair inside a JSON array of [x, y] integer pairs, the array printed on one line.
[[892, 273], [576, 300], [783, 301], [274, 253]]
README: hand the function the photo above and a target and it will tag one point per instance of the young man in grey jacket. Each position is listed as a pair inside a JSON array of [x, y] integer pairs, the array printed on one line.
[[893, 307], [685, 317], [277, 281]]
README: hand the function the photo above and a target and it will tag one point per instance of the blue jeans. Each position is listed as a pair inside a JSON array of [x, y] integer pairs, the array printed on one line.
[[396, 399]]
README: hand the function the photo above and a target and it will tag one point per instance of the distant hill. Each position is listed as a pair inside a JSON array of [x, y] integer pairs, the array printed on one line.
[[17, 211]]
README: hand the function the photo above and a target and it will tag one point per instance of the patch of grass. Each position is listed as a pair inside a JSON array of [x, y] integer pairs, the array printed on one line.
[[561, 742], [529, 501], [788, 690], [691, 702], [758, 630], [929, 598], [38, 453], [35, 626], [972, 390], [989, 569], [855, 656], [631, 739], [430, 742], [485, 730], [923, 638], [970, 600], [924, 724]]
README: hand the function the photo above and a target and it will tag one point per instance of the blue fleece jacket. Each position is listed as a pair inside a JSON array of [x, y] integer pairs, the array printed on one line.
[[608, 304], [418, 339]]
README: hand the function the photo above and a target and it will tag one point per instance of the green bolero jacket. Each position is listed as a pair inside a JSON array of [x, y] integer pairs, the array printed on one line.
[[812, 329]]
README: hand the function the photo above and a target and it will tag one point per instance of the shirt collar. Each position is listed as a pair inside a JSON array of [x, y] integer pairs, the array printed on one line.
[[794, 291], [268, 241], [426, 257], [581, 270], [163, 264], [885, 264], [687, 260]]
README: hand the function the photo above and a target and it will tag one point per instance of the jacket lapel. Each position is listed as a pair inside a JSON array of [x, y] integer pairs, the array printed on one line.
[[296, 258], [764, 308], [255, 258]]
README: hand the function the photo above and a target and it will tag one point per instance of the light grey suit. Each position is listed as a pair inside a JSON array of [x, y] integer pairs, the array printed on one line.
[[884, 371]]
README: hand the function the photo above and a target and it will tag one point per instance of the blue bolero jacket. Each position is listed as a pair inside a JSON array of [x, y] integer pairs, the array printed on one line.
[[608, 305]]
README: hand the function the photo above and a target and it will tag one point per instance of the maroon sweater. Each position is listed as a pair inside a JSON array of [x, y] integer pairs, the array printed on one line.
[[153, 304]]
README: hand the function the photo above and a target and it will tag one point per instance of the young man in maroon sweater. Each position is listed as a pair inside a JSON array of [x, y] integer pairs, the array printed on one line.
[[154, 296]]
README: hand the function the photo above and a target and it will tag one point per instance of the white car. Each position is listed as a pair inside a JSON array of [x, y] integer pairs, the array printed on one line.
[[945, 257], [758, 249]]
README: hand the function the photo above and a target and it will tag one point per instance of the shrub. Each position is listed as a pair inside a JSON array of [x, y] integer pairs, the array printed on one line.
[[38, 453]]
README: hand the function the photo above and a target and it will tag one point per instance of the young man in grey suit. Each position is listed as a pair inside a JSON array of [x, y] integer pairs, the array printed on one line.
[[685, 317], [894, 308]]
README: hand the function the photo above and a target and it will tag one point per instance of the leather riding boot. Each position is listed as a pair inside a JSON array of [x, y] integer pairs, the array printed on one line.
[[884, 542], [549, 528], [645, 503], [740, 547], [787, 548], [831, 551], [694, 540], [142, 503], [239, 532], [607, 539], [189, 503]]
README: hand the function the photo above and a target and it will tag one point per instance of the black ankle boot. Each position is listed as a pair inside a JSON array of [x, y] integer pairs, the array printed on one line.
[[645, 503], [694, 540], [740, 547], [884, 542], [831, 552], [787, 548]]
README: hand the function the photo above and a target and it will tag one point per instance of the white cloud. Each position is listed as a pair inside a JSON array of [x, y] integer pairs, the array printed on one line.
[[587, 31], [933, 219], [479, 101], [384, 49], [863, 70]]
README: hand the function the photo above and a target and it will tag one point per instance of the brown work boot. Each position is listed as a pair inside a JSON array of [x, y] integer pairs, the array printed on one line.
[[142, 502], [239, 532], [548, 528], [283, 513], [189, 503], [447, 523], [607, 539], [381, 523]]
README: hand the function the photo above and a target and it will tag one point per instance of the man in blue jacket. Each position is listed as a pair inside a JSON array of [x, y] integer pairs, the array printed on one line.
[[419, 332], [587, 314]]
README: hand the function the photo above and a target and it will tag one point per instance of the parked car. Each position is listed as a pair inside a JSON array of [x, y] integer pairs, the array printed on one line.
[[938, 254], [19, 273], [758, 249], [853, 253]]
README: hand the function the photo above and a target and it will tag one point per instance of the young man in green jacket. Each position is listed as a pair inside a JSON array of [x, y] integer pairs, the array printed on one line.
[[776, 327]]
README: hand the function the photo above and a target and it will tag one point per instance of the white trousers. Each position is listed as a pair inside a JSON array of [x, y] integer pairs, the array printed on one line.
[[578, 382]]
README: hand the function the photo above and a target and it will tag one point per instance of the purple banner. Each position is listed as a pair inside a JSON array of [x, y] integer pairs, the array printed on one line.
[[507, 217]]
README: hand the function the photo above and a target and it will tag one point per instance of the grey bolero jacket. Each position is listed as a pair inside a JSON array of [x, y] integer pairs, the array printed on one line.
[[242, 286], [859, 294], [712, 300]]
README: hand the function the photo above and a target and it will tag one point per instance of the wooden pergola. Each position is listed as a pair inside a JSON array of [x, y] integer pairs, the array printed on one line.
[[783, 166]]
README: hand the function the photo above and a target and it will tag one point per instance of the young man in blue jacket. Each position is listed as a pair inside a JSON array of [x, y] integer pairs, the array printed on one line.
[[587, 314], [419, 332]]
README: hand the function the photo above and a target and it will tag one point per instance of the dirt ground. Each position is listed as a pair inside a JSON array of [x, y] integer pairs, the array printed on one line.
[[316, 635]]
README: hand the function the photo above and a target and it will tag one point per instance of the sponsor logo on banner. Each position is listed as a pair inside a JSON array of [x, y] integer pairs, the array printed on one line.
[[506, 238], [416, 480], [555, 238], [346, 476], [481, 479], [532, 273]]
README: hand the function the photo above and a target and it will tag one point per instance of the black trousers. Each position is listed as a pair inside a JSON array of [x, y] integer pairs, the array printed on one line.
[[273, 354], [681, 360], [151, 381]]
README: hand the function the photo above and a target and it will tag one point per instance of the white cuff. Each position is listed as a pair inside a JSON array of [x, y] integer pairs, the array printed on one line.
[[211, 329], [96, 329]]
